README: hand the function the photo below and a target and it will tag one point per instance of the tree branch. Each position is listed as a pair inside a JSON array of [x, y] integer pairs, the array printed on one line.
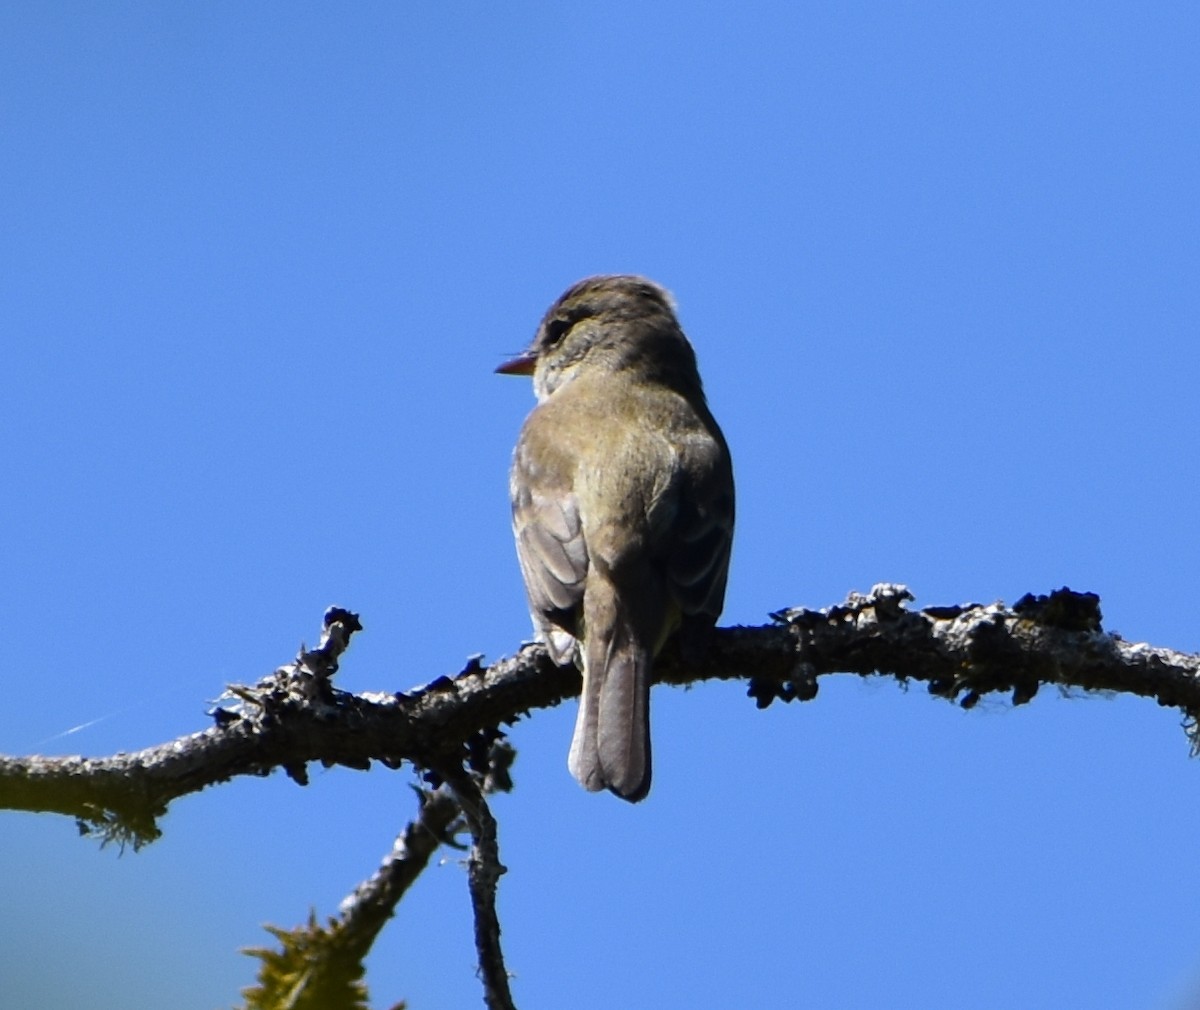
[[294, 716], [320, 967], [365, 912], [451, 728]]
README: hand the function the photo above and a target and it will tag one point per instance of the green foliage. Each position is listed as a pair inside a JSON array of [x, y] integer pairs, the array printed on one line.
[[313, 969]]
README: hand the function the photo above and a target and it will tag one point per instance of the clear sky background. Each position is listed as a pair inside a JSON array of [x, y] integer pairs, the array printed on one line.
[[939, 262]]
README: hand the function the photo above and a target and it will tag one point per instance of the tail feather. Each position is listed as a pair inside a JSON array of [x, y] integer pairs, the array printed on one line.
[[623, 730], [611, 746], [584, 757]]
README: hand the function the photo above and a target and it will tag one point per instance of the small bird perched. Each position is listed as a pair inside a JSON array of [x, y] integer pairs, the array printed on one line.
[[622, 507]]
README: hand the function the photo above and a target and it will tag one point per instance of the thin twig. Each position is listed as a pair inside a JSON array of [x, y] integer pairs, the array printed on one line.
[[483, 874]]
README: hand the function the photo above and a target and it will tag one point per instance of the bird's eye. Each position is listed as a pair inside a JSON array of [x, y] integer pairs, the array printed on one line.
[[556, 329]]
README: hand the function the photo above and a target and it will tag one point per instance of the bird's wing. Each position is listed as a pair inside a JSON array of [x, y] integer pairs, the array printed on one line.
[[701, 535], [553, 556]]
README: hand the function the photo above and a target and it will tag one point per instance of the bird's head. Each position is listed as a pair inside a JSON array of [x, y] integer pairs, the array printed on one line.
[[611, 323]]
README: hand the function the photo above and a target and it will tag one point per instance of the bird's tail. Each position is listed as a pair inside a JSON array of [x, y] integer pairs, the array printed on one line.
[[611, 746]]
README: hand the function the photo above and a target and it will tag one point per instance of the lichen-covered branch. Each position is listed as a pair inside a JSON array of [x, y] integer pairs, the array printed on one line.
[[295, 716], [963, 652], [451, 729]]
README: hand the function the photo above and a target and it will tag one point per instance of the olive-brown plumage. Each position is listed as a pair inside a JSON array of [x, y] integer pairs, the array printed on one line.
[[622, 503]]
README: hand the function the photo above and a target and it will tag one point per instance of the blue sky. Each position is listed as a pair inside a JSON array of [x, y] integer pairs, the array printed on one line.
[[939, 262]]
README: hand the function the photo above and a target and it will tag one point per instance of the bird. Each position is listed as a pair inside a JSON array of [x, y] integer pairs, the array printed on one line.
[[622, 498]]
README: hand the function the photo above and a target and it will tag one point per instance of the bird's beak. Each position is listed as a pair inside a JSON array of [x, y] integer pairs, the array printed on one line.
[[521, 365]]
